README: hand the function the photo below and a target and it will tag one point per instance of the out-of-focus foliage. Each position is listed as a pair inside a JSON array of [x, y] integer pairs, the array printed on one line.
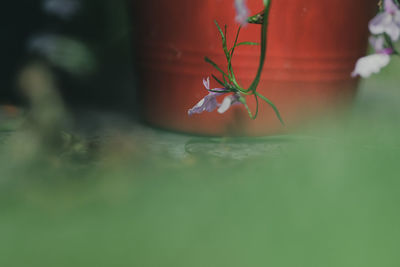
[[327, 196], [86, 43]]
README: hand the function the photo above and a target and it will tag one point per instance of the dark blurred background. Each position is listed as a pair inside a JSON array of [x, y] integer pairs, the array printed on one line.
[[86, 45]]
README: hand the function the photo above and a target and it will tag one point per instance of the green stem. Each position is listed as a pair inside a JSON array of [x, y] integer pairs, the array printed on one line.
[[253, 86]]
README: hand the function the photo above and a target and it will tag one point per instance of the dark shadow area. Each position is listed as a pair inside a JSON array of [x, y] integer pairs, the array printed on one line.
[[85, 44]]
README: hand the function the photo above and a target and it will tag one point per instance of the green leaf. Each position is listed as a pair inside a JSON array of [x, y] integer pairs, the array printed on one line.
[[241, 44], [226, 30], [243, 101], [220, 30], [248, 109], [257, 106], [272, 105], [217, 67], [232, 50], [224, 44], [218, 80], [247, 43]]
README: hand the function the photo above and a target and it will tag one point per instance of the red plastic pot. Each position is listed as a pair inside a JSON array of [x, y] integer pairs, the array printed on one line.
[[312, 49]]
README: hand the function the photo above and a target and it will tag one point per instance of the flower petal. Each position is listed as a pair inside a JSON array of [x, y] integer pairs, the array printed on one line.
[[211, 103], [198, 108], [226, 104], [370, 64], [206, 83], [208, 103], [377, 42], [396, 18], [378, 24], [390, 7]]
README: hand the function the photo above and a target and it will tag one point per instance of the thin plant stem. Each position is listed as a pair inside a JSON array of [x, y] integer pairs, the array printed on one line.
[[253, 86]]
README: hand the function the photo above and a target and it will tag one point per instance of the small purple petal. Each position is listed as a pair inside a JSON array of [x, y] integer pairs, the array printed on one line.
[[206, 83], [211, 104], [377, 42], [390, 7], [387, 51], [208, 103], [378, 24]]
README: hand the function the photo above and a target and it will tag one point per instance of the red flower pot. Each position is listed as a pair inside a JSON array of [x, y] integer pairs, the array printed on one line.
[[312, 49]]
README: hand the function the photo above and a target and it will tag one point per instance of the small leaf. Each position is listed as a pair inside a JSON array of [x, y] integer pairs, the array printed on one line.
[[247, 43], [217, 67], [248, 110], [257, 107], [224, 44], [218, 80], [236, 41], [272, 105], [241, 44], [220, 30]]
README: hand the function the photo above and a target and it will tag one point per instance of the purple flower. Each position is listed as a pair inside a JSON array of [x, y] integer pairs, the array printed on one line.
[[242, 12], [209, 103], [387, 21], [373, 63]]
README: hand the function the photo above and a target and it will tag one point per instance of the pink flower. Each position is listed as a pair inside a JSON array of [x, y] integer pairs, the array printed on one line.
[[387, 21]]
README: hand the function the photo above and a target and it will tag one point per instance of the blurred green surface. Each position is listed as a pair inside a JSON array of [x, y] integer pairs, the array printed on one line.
[[327, 197]]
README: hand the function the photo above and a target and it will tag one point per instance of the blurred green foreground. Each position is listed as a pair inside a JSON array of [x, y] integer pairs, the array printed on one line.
[[327, 197]]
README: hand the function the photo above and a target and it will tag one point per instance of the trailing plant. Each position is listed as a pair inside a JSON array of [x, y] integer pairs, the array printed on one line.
[[230, 86]]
